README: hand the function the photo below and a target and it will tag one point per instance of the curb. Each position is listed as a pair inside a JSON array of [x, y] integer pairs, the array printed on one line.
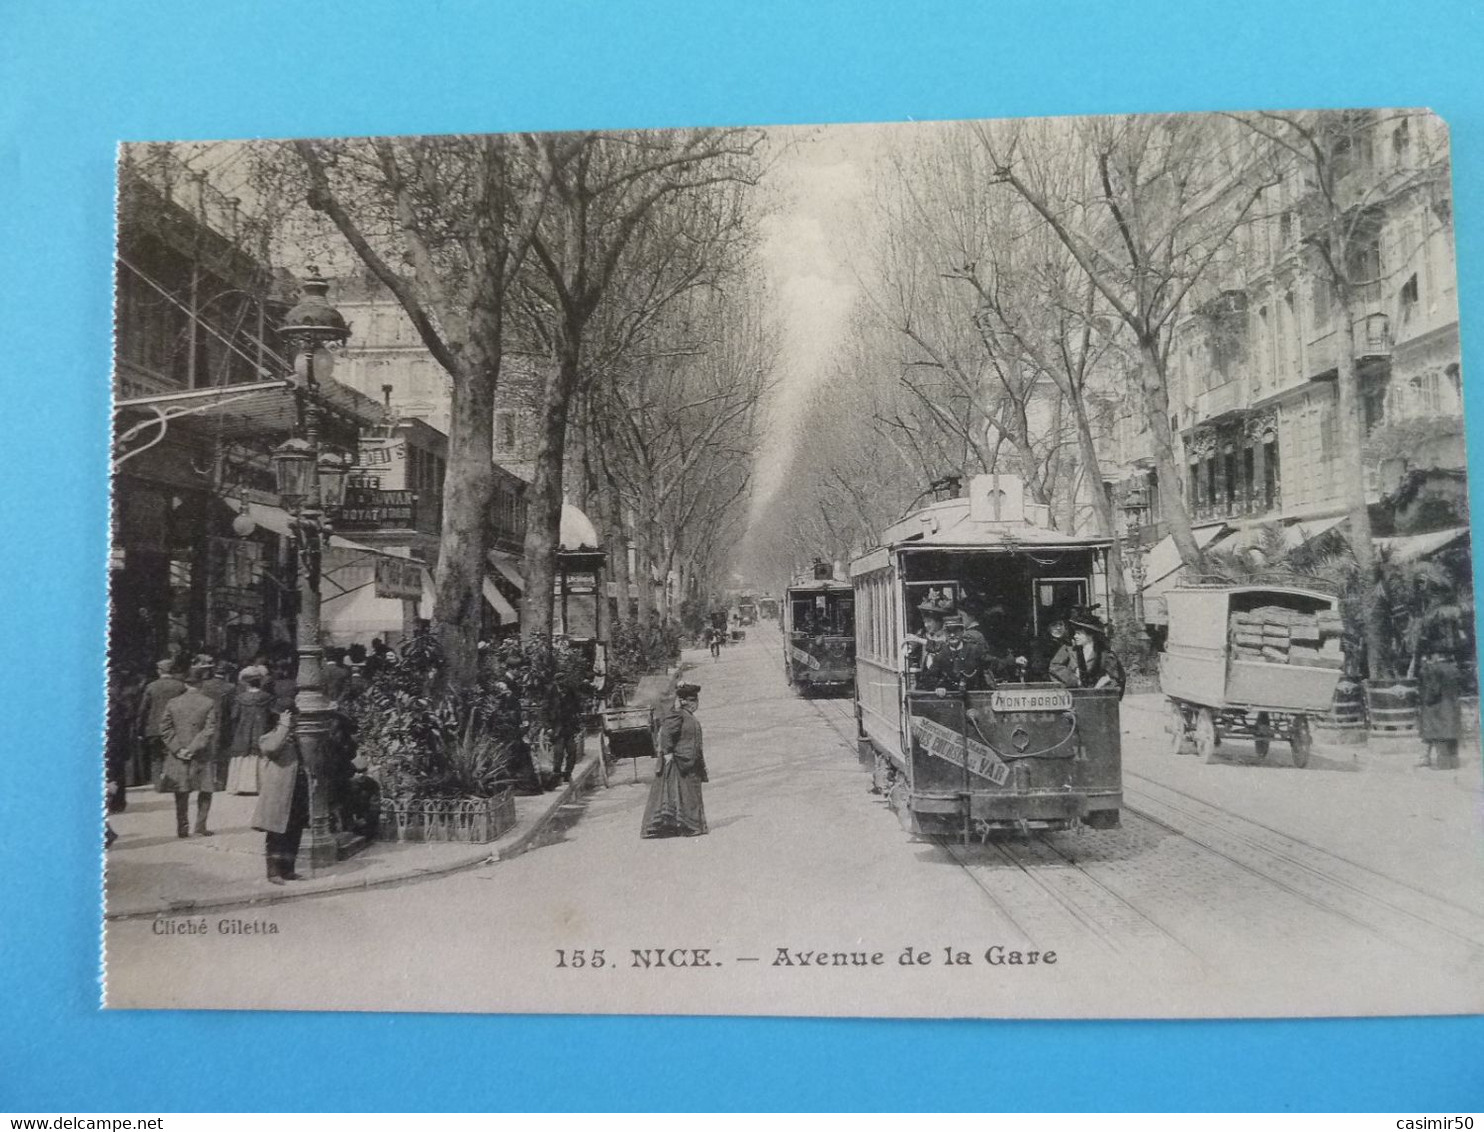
[[486, 855]]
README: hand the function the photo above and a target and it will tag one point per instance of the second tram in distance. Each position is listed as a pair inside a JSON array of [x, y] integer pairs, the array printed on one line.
[[819, 632]]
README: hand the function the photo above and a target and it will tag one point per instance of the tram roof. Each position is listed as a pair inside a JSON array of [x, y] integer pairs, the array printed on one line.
[[818, 585], [948, 525]]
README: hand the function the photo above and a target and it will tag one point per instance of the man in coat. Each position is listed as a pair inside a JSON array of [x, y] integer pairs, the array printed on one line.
[[675, 807], [960, 664], [1440, 719], [188, 733], [157, 693], [282, 811]]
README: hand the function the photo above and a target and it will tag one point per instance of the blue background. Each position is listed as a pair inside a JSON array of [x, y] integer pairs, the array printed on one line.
[[74, 79]]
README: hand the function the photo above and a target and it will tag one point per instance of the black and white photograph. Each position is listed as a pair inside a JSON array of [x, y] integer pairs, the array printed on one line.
[[995, 569]]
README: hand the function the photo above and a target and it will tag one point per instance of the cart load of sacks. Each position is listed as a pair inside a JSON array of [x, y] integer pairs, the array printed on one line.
[[1285, 636]]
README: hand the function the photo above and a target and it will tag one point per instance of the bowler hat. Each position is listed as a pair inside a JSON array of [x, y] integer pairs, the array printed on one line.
[[688, 691]]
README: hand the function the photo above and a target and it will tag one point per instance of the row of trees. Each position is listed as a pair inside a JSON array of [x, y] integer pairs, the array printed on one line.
[[1026, 291], [619, 262]]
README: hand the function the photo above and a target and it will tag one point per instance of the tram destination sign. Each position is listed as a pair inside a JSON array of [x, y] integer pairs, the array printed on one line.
[[1030, 699]]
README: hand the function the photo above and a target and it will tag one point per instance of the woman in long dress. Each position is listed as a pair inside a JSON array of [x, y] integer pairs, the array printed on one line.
[[675, 807], [251, 723]]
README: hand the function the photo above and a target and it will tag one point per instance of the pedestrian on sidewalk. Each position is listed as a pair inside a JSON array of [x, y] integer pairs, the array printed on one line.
[[675, 807], [188, 735], [157, 693], [249, 725], [1440, 718], [282, 811]]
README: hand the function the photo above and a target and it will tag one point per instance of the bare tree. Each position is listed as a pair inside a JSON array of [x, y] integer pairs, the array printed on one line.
[[444, 224], [613, 196], [1331, 154], [1145, 205]]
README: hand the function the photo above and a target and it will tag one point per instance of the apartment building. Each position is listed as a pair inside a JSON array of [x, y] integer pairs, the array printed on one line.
[[1254, 362]]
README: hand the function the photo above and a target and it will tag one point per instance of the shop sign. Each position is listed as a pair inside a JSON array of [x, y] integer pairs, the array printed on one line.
[[582, 583], [400, 578], [368, 509]]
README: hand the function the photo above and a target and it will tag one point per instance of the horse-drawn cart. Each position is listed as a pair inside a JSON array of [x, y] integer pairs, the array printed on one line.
[[1256, 661]]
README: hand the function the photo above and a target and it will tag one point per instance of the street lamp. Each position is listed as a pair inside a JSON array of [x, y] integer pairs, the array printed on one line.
[[311, 481], [1135, 506]]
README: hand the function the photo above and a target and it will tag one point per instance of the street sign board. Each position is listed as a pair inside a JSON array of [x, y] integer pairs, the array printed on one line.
[[399, 578]]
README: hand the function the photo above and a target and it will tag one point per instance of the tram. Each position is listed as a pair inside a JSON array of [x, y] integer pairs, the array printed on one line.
[[819, 632], [1023, 752], [767, 608]]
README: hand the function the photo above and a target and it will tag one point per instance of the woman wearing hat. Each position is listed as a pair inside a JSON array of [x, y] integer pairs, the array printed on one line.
[[1097, 666], [675, 808]]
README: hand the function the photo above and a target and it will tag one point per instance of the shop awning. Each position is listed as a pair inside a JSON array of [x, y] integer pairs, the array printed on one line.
[[1307, 530], [1162, 569], [1409, 548], [253, 410], [509, 567], [280, 522], [497, 601]]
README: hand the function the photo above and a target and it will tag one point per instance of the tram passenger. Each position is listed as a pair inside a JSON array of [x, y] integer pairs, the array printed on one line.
[[1062, 665], [1097, 664], [920, 646], [959, 665]]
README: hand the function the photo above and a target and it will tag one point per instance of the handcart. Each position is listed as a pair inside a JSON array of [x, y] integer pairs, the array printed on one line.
[[630, 730], [1251, 660]]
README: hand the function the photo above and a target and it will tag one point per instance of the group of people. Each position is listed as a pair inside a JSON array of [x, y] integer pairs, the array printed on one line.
[[203, 728], [952, 654]]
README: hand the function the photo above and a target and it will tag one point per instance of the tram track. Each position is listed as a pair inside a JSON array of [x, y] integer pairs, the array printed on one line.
[[1105, 900]]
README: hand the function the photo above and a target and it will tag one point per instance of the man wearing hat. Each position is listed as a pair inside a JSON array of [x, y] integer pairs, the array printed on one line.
[[675, 807], [157, 693], [960, 664], [188, 734]]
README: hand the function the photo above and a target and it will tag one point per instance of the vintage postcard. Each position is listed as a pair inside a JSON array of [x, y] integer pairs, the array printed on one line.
[[987, 568]]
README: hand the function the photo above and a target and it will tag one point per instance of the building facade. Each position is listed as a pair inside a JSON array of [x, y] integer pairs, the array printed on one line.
[[1253, 365]]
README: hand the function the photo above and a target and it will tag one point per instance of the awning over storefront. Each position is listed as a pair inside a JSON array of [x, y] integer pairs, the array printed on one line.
[[255, 410], [497, 602], [1409, 548], [1162, 569], [509, 567], [280, 522]]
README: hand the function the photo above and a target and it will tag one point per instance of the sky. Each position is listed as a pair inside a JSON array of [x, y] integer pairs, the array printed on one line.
[[813, 241]]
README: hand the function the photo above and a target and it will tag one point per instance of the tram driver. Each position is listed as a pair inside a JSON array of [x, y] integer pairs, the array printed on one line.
[[959, 665]]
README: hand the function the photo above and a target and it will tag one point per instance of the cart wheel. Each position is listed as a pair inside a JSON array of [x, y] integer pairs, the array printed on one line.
[[1300, 742], [1178, 725], [1262, 735], [1205, 733]]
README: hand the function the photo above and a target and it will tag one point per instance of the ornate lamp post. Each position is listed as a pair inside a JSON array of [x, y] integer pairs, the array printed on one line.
[[311, 481], [1134, 506]]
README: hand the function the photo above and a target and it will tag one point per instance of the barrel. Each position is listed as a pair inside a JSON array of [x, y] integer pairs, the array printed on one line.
[[1391, 705], [1345, 722]]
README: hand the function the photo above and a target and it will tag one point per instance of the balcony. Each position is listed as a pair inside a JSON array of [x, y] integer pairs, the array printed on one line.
[[1371, 341], [1221, 401]]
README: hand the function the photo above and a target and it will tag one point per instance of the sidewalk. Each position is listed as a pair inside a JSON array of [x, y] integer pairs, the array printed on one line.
[[1390, 757], [151, 872]]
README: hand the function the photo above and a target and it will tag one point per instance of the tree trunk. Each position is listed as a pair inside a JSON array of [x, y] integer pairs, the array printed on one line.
[[1352, 474], [468, 493], [544, 513], [644, 569], [1102, 507], [1157, 412], [610, 510]]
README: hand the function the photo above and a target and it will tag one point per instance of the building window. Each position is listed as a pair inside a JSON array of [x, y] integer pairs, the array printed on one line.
[[504, 431], [1324, 298], [1409, 300], [1229, 468], [1249, 476], [1271, 482], [1401, 143]]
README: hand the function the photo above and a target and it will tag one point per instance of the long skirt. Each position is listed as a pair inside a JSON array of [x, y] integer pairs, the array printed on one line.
[[242, 774], [675, 808]]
